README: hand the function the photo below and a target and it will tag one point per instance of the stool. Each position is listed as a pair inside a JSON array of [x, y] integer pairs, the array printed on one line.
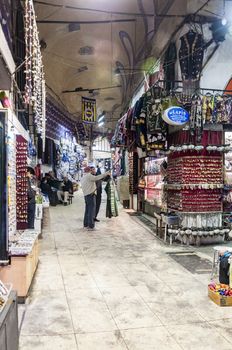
[[70, 198], [215, 264]]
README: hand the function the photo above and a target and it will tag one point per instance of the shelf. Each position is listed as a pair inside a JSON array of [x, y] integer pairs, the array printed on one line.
[[195, 212], [153, 188]]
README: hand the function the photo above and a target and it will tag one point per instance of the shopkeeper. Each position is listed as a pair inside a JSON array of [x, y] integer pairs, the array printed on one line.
[[31, 199]]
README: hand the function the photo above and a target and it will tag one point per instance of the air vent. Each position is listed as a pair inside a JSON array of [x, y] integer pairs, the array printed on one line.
[[86, 50], [95, 93], [74, 27], [82, 69], [109, 98]]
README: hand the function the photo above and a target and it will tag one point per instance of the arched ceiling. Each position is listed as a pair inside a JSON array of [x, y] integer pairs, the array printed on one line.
[[105, 35], [87, 56]]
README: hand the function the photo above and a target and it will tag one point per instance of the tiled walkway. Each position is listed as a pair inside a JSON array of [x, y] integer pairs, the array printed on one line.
[[116, 289]]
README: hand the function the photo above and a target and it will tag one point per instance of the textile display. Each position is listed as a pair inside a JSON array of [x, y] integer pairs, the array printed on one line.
[[69, 158], [169, 66], [133, 173], [201, 220], [224, 268], [191, 55], [142, 126], [59, 122], [111, 202]]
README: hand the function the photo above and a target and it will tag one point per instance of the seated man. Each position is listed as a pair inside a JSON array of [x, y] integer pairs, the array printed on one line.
[[67, 189], [45, 187]]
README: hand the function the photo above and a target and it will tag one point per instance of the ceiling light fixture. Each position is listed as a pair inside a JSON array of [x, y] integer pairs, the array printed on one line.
[[74, 27], [224, 20], [101, 118]]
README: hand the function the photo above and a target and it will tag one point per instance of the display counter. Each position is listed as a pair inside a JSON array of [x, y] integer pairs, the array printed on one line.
[[24, 261]]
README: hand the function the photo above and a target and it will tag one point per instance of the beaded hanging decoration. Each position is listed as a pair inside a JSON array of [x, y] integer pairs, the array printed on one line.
[[35, 92]]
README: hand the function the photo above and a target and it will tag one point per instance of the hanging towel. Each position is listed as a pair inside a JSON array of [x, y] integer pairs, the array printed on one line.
[[111, 202]]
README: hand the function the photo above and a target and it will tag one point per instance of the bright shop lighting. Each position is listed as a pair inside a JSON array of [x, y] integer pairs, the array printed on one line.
[[101, 124], [101, 118], [224, 21]]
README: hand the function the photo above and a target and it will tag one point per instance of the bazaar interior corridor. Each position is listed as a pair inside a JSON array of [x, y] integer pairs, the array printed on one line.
[[116, 289]]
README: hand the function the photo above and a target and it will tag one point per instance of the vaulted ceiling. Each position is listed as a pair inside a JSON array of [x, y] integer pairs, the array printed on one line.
[[110, 34], [85, 41]]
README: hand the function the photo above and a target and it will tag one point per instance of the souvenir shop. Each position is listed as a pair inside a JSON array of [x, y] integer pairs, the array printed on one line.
[[63, 155], [19, 243], [178, 147], [177, 135]]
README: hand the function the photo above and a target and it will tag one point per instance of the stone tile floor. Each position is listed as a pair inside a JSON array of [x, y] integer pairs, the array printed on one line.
[[116, 289]]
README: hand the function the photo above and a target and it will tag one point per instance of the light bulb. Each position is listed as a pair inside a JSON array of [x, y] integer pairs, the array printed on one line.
[[224, 21]]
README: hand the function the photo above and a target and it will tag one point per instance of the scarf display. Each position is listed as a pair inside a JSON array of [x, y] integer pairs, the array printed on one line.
[[111, 202], [224, 267]]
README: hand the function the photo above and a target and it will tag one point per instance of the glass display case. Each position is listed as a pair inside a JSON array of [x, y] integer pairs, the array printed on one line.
[[153, 176]]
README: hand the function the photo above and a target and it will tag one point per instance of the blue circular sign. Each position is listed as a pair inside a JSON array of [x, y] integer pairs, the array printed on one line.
[[176, 116]]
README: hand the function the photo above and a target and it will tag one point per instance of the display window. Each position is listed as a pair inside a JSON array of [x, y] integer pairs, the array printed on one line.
[[153, 178]]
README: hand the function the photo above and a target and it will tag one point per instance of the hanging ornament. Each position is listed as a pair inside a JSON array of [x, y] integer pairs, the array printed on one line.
[[35, 91]]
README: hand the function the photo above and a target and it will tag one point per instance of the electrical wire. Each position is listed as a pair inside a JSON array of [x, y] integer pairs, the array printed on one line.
[[68, 59], [96, 10], [202, 7], [51, 14]]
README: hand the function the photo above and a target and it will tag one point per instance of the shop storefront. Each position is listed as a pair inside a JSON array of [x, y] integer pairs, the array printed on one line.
[[178, 149], [63, 155], [18, 245]]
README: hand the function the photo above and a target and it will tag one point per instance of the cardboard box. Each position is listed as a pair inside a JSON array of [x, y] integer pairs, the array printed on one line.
[[218, 299]]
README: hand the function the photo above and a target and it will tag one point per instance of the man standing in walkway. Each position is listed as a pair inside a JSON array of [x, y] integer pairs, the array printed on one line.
[[98, 192], [88, 184]]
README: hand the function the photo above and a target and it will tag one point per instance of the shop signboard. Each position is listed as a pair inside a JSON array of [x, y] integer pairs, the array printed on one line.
[[89, 110], [176, 116]]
